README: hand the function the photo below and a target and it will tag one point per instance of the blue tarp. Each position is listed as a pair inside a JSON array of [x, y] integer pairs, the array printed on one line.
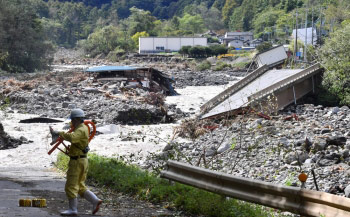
[[110, 68]]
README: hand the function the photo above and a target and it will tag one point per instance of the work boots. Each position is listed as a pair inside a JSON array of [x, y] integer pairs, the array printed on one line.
[[73, 208], [93, 199]]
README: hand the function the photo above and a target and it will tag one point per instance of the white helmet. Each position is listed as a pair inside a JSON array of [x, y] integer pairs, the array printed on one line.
[[77, 113]]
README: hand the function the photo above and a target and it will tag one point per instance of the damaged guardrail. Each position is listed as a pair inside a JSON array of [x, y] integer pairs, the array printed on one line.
[[296, 200]]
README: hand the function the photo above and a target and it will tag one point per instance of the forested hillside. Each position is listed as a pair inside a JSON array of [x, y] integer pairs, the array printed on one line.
[[112, 27], [162, 9]]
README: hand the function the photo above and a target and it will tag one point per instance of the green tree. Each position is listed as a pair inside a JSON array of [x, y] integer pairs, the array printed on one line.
[[23, 43], [265, 19], [290, 5], [264, 46], [175, 22], [219, 4], [335, 56], [227, 11], [212, 19], [185, 50], [137, 35], [218, 49], [194, 24], [140, 21], [103, 41]]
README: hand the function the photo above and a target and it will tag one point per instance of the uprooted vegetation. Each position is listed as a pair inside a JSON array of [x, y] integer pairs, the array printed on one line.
[[12, 84], [193, 128]]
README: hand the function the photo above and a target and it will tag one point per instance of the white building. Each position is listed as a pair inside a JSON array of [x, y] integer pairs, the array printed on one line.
[[242, 36], [168, 44], [236, 43], [308, 34]]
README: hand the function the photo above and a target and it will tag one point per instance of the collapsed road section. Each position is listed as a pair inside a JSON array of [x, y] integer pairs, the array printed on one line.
[[267, 89]]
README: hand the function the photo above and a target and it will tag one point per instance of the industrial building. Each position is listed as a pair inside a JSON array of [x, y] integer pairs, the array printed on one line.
[[168, 44]]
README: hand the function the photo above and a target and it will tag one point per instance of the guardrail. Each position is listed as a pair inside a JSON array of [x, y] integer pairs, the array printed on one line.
[[296, 200], [286, 82], [234, 88]]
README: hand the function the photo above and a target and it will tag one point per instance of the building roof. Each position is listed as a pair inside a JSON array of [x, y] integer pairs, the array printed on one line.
[[110, 68], [174, 37], [239, 33]]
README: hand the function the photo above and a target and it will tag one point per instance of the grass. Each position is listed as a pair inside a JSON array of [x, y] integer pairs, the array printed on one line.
[[131, 180], [205, 65], [240, 65], [4, 102], [221, 65]]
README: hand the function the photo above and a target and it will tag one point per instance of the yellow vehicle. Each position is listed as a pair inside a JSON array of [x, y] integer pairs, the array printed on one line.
[[225, 55]]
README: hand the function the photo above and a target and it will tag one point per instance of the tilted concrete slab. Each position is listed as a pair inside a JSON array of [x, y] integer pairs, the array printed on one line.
[[240, 98], [273, 81]]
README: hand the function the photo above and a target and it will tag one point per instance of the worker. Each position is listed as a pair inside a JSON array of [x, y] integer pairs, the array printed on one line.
[[78, 164]]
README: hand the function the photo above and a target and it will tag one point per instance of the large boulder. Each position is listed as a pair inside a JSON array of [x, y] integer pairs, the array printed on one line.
[[136, 116], [336, 140], [293, 156]]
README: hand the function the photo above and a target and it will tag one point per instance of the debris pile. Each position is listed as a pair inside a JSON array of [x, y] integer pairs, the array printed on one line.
[[55, 96], [11, 85], [275, 150]]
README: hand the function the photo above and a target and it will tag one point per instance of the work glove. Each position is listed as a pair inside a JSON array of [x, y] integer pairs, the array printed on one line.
[[54, 134]]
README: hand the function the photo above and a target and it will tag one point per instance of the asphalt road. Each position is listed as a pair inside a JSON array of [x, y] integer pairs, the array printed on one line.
[[17, 183], [29, 182]]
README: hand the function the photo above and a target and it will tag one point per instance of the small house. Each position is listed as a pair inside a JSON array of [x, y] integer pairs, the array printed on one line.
[[242, 36], [235, 43], [255, 42]]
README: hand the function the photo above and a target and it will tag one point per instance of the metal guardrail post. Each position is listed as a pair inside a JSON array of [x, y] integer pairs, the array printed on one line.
[[296, 200]]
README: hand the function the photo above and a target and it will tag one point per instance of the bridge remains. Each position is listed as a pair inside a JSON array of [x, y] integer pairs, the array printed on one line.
[[265, 89]]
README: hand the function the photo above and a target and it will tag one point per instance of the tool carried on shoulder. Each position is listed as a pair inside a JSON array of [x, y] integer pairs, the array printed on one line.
[[92, 131]]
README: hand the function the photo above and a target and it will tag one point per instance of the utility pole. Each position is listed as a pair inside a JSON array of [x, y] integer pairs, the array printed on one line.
[[332, 23], [312, 25], [305, 44], [320, 30], [296, 35]]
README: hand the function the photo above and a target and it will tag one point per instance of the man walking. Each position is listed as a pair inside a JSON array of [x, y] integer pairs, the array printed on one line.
[[78, 164]]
